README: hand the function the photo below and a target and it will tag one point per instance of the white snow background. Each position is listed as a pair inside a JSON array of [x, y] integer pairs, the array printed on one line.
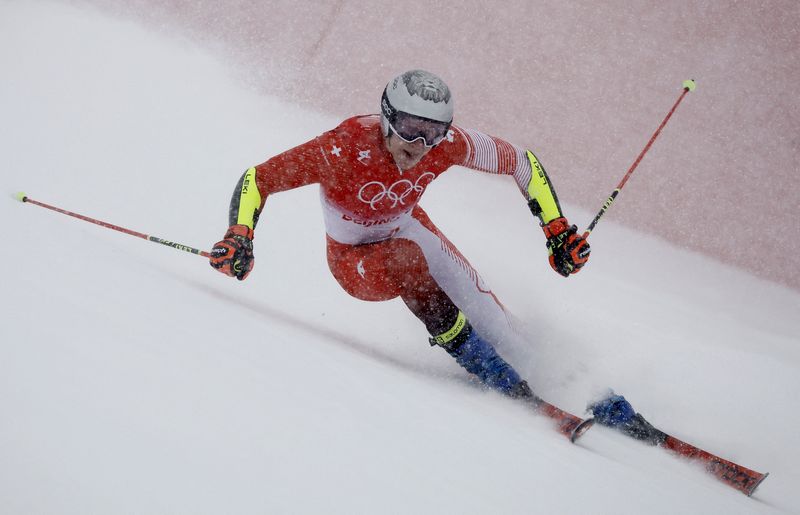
[[134, 379]]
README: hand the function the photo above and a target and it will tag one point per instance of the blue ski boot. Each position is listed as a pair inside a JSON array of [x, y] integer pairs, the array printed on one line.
[[478, 357], [612, 411], [615, 411]]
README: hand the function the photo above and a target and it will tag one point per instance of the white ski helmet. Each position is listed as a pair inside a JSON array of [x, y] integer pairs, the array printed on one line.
[[425, 97]]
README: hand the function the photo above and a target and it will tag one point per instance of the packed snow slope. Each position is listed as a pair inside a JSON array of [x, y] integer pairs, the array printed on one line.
[[134, 379]]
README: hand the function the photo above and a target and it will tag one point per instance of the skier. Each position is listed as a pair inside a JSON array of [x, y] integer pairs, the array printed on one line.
[[372, 171]]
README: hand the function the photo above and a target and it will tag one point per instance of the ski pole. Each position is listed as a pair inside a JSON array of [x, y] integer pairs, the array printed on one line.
[[24, 198], [688, 85]]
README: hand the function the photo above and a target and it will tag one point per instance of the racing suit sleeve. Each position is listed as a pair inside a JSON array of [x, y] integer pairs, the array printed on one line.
[[494, 155], [294, 168]]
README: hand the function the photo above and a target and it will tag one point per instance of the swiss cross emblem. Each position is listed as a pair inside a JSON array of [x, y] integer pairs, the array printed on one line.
[[337, 151]]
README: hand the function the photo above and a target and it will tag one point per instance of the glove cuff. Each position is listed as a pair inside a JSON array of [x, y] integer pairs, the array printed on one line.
[[240, 230], [555, 227]]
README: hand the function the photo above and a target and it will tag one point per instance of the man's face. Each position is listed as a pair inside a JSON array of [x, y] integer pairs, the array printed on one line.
[[406, 155]]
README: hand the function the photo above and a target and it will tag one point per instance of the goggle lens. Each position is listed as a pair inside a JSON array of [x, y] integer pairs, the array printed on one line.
[[410, 128]]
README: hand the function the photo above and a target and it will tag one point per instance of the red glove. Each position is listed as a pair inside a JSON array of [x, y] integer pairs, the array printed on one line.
[[568, 250], [233, 255]]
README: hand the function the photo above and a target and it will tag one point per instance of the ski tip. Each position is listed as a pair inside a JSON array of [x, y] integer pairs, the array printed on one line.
[[756, 484], [689, 84], [580, 429], [21, 196]]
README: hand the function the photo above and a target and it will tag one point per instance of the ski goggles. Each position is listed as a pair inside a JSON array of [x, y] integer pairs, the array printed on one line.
[[411, 128]]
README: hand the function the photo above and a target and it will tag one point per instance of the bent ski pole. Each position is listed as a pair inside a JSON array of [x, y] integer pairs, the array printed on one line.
[[688, 85], [24, 198]]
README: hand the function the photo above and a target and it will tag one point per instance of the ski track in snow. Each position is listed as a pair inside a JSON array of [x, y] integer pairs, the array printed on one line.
[[134, 379]]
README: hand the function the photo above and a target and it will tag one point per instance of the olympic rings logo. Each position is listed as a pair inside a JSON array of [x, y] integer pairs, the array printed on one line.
[[374, 192]]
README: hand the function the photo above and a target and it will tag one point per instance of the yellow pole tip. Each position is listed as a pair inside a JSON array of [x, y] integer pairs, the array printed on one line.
[[689, 84], [21, 196]]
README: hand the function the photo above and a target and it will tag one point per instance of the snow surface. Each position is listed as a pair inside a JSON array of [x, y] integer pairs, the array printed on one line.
[[134, 379]]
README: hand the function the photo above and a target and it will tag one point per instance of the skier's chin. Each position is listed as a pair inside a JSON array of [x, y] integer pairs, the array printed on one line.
[[406, 160], [410, 158]]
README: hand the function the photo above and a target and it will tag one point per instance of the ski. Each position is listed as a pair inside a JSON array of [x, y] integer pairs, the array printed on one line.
[[741, 478], [569, 425]]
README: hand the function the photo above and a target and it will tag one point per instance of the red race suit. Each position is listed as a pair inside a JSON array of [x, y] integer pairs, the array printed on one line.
[[381, 244]]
